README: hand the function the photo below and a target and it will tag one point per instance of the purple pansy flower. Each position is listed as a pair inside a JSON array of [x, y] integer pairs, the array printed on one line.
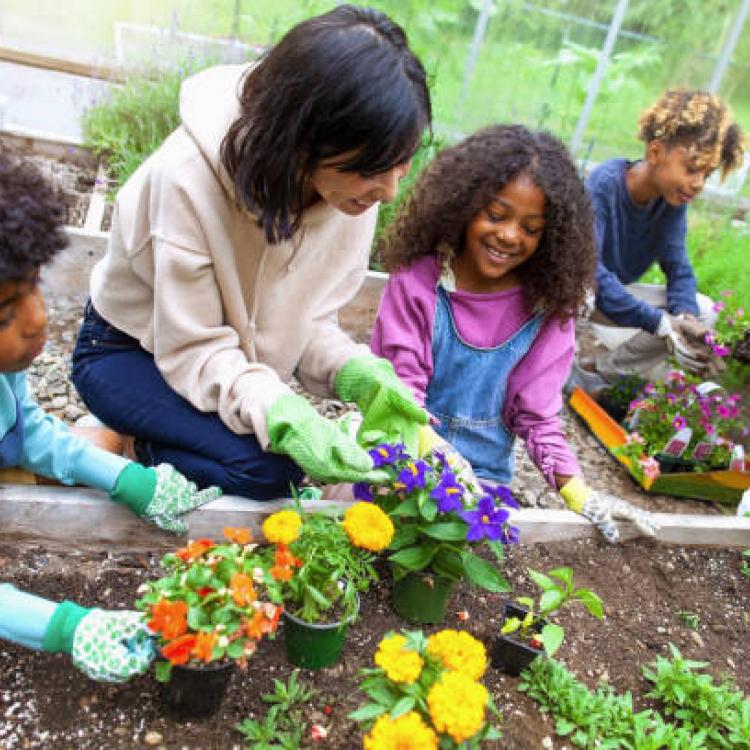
[[448, 493], [363, 491], [486, 522], [412, 476], [386, 454], [501, 494]]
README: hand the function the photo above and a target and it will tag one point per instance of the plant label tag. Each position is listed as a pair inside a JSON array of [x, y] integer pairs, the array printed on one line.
[[677, 444], [708, 387], [702, 451], [737, 460]]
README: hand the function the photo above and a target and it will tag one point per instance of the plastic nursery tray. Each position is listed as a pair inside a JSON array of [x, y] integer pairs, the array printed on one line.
[[722, 486]]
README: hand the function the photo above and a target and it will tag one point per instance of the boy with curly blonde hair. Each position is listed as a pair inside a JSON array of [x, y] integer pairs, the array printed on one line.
[[640, 218]]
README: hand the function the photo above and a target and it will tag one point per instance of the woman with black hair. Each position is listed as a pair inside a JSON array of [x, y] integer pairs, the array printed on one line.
[[233, 247]]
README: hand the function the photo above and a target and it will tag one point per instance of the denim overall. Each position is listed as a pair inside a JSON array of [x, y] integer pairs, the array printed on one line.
[[11, 444], [467, 391]]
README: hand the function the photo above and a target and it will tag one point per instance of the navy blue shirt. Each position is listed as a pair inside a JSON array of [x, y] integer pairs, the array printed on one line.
[[629, 238]]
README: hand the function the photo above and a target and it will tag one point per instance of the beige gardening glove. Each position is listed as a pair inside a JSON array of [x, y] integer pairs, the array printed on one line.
[[685, 337], [602, 509]]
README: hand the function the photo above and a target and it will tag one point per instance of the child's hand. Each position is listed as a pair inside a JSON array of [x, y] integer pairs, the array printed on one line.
[[159, 495], [112, 646]]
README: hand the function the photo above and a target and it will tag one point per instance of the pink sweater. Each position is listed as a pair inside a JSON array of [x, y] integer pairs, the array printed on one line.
[[403, 334]]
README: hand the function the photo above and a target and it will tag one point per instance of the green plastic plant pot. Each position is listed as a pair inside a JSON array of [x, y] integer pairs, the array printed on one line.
[[313, 645], [422, 597]]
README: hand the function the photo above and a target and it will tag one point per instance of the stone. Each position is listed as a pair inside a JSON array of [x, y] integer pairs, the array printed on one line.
[[153, 738]]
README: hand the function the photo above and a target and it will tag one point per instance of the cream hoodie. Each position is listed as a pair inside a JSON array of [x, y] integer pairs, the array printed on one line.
[[228, 317]]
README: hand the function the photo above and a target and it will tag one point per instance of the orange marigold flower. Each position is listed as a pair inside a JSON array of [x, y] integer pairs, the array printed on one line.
[[243, 591], [238, 535], [282, 572], [194, 550], [168, 618], [179, 650], [283, 556], [255, 628], [204, 646]]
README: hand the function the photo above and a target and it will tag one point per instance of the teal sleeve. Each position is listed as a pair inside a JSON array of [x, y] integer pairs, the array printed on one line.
[[24, 618], [135, 487], [62, 627], [52, 450]]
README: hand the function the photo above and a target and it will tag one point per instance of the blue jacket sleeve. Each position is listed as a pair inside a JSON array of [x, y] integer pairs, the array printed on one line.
[[612, 298], [24, 618], [681, 284], [52, 450]]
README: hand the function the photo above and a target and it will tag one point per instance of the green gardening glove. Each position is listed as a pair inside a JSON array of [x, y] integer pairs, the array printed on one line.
[[160, 494], [387, 405], [106, 646], [318, 445]]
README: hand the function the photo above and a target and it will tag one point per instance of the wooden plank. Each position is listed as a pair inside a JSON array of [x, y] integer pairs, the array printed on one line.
[[61, 518], [60, 64]]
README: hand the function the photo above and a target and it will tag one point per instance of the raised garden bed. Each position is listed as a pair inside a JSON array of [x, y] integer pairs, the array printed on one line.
[[46, 703]]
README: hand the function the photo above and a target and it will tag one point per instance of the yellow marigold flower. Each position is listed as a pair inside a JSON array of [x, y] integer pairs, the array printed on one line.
[[457, 705], [399, 663], [459, 652], [407, 732], [368, 526], [282, 527]]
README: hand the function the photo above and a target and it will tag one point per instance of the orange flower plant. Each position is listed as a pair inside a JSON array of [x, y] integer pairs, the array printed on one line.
[[213, 604]]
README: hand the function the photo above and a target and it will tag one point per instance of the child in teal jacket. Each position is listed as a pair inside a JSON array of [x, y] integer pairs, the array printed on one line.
[[105, 645]]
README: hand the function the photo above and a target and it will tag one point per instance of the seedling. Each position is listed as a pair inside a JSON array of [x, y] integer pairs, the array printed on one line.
[[689, 619], [746, 563], [555, 595]]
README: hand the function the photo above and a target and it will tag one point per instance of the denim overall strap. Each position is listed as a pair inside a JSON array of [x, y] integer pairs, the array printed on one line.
[[11, 444], [468, 389]]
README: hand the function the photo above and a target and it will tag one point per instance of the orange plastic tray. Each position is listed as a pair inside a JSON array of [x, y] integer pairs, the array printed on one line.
[[721, 486]]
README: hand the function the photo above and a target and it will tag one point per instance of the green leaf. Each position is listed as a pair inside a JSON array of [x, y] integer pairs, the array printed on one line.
[[552, 637], [498, 549], [544, 582], [591, 601], [406, 509], [405, 535], [454, 531], [365, 713], [483, 574], [551, 600], [197, 618], [403, 706], [414, 558], [428, 509], [163, 671], [234, 649], [447, 562], [563, 574], [199, 576]]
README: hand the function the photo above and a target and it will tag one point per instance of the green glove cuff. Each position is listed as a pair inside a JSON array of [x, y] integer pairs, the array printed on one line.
[[62, 627], [135, 487]]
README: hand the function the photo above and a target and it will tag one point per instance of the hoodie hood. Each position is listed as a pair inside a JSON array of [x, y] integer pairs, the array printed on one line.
[[209, 104]]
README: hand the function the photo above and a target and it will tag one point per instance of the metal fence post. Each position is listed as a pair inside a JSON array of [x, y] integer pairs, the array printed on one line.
[[726, 52], [596, 79], [476, 43]]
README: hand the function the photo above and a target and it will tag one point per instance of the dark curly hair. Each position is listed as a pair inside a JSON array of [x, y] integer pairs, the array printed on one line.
[[698, 120], [345, 81], [462, 180], [32, 214]]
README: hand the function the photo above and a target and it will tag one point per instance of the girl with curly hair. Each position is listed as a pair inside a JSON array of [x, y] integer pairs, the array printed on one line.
[[491, 259]]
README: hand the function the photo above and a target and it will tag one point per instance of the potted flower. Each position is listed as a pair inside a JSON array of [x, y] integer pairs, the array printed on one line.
[[439, 514], [526, 631], [683, 424], [320, 564], [731, 331], [616, 399], [208, 612], [426, 693]]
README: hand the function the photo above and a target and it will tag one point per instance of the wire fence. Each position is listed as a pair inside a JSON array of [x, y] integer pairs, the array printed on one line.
[[583, 69]]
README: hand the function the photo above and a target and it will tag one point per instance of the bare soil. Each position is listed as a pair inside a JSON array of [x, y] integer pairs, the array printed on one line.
[[46, 703]]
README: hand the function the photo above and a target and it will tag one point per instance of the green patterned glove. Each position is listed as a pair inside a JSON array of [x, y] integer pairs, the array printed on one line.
[[387, 405], [322, 450], [160, 494], [107, 646]]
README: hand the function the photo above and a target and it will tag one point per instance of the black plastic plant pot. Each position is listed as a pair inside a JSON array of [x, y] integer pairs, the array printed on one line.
[[195, 692], [614, 408], [422, 597], [673, 464], [508, 654], [313, 645]]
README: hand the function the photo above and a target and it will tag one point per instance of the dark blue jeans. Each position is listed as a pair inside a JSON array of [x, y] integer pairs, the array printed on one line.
[[120, 383]]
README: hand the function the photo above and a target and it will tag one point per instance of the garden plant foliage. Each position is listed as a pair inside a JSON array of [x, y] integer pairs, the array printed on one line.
[[703, 714]]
